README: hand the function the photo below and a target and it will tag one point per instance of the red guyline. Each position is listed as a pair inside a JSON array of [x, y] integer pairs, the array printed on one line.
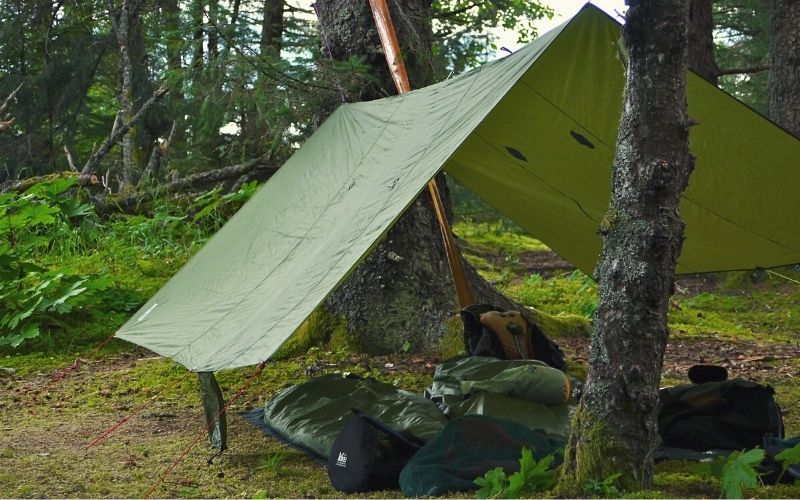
[[202, 433], [124, 419]]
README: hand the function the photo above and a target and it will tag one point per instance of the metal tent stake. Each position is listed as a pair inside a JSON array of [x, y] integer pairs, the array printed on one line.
[[380, 11]]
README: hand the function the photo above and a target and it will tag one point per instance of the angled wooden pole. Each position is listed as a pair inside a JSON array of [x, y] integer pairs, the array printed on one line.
[[380, 11]]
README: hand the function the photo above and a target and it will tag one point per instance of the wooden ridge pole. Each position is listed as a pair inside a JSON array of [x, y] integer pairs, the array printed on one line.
[[391, 49]]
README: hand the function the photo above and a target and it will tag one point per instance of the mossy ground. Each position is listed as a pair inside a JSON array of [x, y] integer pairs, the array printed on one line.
[[753, 327]]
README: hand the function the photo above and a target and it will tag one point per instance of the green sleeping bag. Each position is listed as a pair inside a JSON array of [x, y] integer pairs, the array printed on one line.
[[310, 415]]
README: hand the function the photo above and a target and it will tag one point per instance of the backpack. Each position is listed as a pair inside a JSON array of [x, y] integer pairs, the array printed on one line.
[[492, 331], [468, 447], [726, 415], [368, 455]]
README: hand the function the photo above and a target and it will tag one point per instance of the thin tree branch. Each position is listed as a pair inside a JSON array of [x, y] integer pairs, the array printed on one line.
[[69, 159], [741, 71], [288, 78], [10, 98], [121, 130]]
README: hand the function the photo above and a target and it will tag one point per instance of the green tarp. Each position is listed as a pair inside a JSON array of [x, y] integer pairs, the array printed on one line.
[[532, 134]]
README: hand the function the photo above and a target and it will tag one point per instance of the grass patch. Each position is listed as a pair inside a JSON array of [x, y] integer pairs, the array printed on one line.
[[565, 293]]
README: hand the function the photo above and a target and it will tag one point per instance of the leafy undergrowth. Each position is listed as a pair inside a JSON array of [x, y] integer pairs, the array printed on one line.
[[749, 325]]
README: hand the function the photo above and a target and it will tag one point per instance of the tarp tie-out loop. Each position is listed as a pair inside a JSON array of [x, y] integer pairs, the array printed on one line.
[[394, 58], [204, 430], [210, 460]]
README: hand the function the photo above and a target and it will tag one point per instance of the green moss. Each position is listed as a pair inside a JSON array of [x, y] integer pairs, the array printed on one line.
[[677, 478], [496, 236], [562, 325], [567, 293], [598, 457], [452, 343], [320, 328]]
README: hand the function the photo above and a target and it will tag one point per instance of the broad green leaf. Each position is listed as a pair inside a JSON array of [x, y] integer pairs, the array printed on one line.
[[738, 472], [789, 456], [30, 331], [51, 189], [516, 483], [73, 208], [491, 484]]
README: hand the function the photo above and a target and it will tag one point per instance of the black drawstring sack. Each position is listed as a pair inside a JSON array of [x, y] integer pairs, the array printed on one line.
[[367, 455]]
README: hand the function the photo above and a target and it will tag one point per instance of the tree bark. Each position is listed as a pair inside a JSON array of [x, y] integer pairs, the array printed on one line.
[[197, 9], [701, 58], [615, 426], [272, 29], [176, 104], [784, 76], [120, 130], [121, 26], [402, 294]]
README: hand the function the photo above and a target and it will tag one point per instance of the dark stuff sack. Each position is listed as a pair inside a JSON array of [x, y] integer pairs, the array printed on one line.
[[367, 455]]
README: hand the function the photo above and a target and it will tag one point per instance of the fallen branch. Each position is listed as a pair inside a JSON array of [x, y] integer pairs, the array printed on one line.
[[137, 202], [213, 176], [5, 125], [119, 131], [22, 185]]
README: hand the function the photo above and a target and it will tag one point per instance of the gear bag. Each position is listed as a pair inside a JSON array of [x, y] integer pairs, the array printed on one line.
[[492, 331], [727, 415], [368, 455]]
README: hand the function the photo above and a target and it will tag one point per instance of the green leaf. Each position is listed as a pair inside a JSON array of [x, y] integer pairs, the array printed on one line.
[[789, 456], [30, 331], [739, 473], [532, 476], [491, 484], [73, 208], [516, 483], [711, 468], [51, 189], [206, 210]]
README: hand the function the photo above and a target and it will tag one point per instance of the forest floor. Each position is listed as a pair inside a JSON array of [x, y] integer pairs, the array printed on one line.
[[751, 326]]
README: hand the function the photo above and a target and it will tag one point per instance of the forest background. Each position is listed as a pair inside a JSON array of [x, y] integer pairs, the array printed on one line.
[[168, 114]]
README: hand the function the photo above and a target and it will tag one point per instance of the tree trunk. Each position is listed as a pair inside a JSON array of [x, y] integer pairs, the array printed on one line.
[[154, 123], [402, 294], [121, 25], [615, 427], [701, 40], [197, 9], [784, 76], [272, 29], [174, 42]]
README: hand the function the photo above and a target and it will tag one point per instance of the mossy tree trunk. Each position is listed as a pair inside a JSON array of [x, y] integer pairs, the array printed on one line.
[[615, 427], [784, 75], [402, 295]]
